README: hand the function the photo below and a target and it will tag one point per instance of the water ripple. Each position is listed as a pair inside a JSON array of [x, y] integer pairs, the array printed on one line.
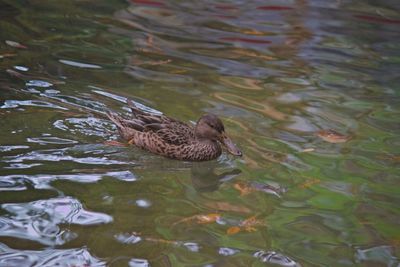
[[30, 103], [10, 148], [128, 238], [381, 254], [39, 83], [21, 68], [228, 251], [12, 183], [43, 181], [79, 64], [275, 258], [124, 100], [277, 73], [90, 126], [39, 220], [138, 263], [48, 257], [57, 155], [50, 140]]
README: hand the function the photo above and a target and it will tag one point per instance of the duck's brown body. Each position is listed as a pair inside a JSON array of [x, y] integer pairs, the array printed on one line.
[[171, 138]]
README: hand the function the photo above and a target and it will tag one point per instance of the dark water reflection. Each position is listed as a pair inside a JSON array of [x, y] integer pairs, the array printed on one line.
[[282, 75]]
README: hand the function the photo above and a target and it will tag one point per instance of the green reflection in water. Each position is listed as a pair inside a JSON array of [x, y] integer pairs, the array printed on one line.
[[276, 74]]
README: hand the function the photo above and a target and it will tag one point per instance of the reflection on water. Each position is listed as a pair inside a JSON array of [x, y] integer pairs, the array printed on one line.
[[39, 220], [308, 89], [204, 177], [48, 257]]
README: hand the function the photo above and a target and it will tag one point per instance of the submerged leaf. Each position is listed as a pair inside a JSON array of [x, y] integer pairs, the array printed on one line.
[[160, 240], [200, 219], [243, 188], [233, 230], [226, 206], [392, 158], [209, 218], [309, 183], [15, 44], [16, 74], [7, 55], [245, 52], [248, 225], [250, 222], [158, 62], [332, 136], [178, 71]]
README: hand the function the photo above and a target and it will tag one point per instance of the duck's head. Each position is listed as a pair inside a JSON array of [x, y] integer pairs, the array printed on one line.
[[210, 127]]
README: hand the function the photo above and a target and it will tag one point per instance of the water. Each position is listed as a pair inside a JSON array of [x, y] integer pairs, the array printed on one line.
[[309, 90]]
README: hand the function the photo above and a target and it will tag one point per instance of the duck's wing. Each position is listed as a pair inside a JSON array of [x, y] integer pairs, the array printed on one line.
[[168, 129], [176, 133]]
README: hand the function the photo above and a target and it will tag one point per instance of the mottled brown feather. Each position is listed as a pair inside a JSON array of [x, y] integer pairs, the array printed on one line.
[[165, 136]]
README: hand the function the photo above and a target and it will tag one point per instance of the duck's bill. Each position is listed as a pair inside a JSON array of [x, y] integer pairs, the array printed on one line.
[[230, 146]]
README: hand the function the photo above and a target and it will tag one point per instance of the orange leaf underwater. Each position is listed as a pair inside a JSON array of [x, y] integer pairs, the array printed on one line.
[[248, 225], [332, 136], [309, 183], [226, 206], [233, 230], [200, 219]]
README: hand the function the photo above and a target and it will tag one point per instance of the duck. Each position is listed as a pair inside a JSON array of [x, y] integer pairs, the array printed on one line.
[[172, 138]]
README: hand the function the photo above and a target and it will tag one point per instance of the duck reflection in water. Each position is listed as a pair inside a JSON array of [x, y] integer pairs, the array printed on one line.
[[205, 177]]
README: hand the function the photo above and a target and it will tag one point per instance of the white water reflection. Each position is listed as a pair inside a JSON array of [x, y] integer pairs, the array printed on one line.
[[138, 263], [29, 103], [48, 257], [18, 182], [38, 83], [63, 154], [39, 220], [79, 64]]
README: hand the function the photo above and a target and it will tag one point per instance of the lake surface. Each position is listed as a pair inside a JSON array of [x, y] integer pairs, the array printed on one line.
[[309, 90]]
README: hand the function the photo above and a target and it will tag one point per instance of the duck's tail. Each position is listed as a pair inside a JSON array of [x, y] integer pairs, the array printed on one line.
[[126, 128], [115, 119], [134, 108]]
